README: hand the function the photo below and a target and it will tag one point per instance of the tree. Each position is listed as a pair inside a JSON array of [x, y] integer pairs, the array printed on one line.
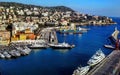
[[10, 28]]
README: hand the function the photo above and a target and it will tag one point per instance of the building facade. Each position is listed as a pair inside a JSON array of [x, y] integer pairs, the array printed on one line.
[[4, 37]]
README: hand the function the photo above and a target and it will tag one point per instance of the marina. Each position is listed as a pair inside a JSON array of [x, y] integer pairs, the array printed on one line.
[[13, 51], [59, 37], [85, 46]]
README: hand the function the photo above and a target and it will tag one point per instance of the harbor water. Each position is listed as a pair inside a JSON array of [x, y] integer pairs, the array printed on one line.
[[61, 62]]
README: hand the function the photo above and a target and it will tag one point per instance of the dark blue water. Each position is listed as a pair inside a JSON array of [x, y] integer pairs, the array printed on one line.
[[61, 62]]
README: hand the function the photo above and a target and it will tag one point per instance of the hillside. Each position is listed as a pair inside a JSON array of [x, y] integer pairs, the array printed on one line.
[[56, 8], [58, 15]]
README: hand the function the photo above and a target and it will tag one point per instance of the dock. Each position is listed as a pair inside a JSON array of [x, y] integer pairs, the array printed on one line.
[[109, 66], [49, 35]]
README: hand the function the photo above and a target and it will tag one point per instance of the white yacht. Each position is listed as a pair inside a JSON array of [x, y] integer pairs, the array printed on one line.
[[12, 52], [38, 46], [23, 50], [81, 70], [61, 46], [109, 46], [26, 50], [96, 58]]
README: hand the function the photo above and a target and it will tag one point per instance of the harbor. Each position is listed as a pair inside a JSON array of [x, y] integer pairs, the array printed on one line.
[[59, 37], [47, 38], [85, 46]]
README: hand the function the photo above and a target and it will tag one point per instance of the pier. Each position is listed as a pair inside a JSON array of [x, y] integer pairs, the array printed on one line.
[[49, 35], [109, 66]]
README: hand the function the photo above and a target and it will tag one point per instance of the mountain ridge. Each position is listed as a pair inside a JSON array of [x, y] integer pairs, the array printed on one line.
[[58, 8]]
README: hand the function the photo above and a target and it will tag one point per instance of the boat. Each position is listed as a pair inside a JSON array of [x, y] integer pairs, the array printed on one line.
[[12, 53], [73, 29], [5, 53], [17, 53], [109, 46], [61, 46], [71, 32], [114, 41], [38, 46], [23, 50], [26, 50], [96, 58], [81, 70], [83, 29], [1, 55]]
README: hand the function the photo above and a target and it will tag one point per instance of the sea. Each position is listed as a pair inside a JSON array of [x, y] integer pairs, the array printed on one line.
[[62, 62]]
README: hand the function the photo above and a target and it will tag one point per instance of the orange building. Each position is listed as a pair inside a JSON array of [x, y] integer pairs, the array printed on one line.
[[14, 39], [29, 34], [26, 35]]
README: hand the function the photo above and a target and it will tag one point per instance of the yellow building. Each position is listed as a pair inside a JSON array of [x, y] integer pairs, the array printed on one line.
[[4, 37], [22, 37]]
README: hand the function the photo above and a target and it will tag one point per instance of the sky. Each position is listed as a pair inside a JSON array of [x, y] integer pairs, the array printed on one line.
[[110, 8]]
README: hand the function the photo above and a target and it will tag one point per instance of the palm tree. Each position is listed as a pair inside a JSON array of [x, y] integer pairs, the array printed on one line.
[[10, 28]]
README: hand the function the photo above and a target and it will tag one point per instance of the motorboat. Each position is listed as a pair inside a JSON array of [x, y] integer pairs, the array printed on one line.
[[81, 70], [96, 58], [6, 54], [61, 46], [1, 55], [38, 46], [109, 46]]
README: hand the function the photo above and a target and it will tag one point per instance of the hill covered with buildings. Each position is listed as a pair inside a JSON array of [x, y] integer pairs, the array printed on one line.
[[20, 21], [59, 15]]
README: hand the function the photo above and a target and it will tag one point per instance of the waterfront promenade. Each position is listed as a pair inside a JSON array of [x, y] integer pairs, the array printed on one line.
[[109, 66]]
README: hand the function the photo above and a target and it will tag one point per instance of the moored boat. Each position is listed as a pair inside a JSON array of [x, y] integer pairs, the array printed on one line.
[[96, 58], [71, 32], [61, 46], [6, 54], [109, 46], [1, 55], [38, 46], [81, 70]]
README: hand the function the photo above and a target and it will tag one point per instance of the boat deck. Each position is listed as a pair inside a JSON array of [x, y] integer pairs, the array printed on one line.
[[109, 66]]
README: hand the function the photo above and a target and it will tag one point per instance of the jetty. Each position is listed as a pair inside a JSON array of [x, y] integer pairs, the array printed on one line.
[[109, 66], [49, 35]]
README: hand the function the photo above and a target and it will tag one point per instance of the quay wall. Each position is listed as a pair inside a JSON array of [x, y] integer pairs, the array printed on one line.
[[109, 66]]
